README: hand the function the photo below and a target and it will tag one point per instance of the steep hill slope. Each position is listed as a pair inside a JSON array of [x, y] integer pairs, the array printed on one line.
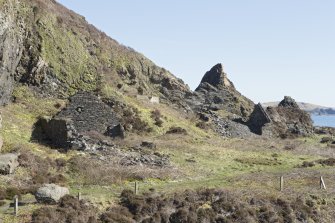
[[46, 46]]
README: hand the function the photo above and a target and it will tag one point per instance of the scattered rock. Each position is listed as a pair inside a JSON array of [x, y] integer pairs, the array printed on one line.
[[176, 130], [8, 163], [116, 131], [327, 140], [230, 128], [323, 162], [191, 160], [149, 145], [203, 116], [50, 193], [155, 159]]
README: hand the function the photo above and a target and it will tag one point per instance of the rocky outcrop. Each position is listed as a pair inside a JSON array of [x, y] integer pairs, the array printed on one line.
[[217, 92], [50, 193], [8, 163], [286, 120], [288, 102], [217, 78], [84, 114]]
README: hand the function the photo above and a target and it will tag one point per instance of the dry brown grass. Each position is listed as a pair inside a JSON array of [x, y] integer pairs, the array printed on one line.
[[89, 171]]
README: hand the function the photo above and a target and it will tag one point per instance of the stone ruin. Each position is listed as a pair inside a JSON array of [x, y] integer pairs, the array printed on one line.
[[84, 113], [286, 120], [151, 99]]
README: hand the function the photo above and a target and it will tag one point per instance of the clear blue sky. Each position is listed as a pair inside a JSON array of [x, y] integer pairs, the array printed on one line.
[[268, 48]]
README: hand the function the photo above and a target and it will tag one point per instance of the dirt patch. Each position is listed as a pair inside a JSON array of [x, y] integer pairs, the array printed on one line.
[[258, 161]]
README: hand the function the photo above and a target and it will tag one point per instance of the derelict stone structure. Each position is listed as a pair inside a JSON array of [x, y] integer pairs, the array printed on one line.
[[84, 113]]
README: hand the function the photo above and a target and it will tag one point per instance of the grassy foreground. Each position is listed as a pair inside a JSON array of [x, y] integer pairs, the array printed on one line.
[[200, 159]]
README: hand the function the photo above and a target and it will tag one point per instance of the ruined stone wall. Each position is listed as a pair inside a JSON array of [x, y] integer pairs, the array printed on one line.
[[88, 113]]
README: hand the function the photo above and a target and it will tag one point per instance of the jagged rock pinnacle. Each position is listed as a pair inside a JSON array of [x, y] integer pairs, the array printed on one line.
[[217, 77]]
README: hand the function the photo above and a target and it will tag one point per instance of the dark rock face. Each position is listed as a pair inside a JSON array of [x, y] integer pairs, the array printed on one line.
[[217, 78], [85, 113], [10, 52], [288, 102], [217, 92], [258, 119]]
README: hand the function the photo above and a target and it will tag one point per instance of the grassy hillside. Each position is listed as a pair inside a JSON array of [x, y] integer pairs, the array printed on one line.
[[200, 159]]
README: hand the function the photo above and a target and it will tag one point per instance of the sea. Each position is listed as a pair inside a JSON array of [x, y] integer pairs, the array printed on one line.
[[324, 120]]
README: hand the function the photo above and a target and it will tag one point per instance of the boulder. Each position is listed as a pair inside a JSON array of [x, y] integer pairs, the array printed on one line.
[[8, 163], [149, 145], [50, 193]]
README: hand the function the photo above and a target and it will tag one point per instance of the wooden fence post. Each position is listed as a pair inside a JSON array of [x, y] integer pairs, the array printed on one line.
[[79, 195], [136, 187], [322, 183], [16, 204], [281, 183]]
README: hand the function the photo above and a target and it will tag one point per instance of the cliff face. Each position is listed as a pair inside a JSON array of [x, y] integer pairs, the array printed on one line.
[[55, 51], [11, 47]]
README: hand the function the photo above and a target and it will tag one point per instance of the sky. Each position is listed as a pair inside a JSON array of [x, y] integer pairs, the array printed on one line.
[[269, 49]]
